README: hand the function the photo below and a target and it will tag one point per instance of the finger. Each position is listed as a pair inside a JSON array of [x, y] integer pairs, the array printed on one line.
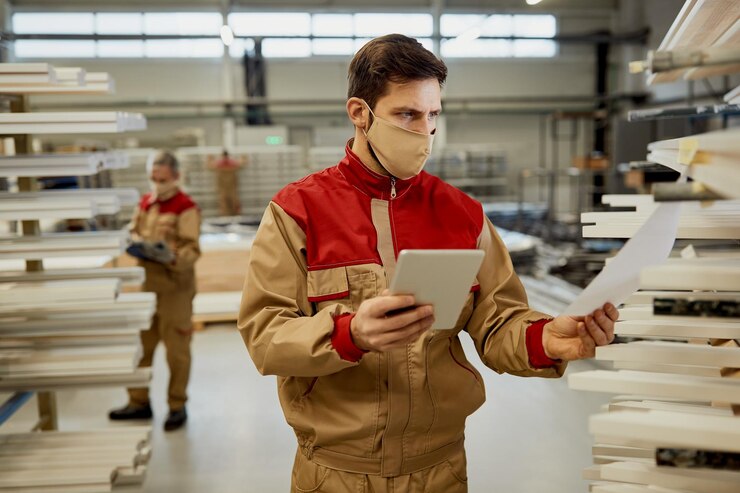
[[408, 318], [384, 304], [611, 311], [411, 332], [578, 319], [606, 324], [595, 331], [588, 348]]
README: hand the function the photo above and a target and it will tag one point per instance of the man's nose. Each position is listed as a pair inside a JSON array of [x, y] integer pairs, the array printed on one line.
[[425, 127]]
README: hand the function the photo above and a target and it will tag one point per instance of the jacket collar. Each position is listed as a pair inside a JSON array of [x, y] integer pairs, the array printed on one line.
[[368, 181]]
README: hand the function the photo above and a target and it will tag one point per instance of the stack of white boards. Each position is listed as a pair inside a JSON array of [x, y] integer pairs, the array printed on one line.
[[712, 158], [61, 333], [674, 424], [39, 165], [702, 28], [83, 461], [70, 123], [716, 220], [42, 78]]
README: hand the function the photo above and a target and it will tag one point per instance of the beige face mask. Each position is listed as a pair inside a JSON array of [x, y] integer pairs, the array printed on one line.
[[402, 152]]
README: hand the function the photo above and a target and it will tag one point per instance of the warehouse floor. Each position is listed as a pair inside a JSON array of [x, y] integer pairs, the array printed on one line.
[[530, 436]]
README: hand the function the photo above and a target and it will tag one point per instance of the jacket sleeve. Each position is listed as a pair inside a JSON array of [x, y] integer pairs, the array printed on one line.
[[501, 316], [133, 225], [277, 322], [188, 234]]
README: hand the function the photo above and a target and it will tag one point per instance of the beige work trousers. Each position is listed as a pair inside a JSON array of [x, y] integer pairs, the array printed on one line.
[[449, 476], [172, 326], [227, 185]]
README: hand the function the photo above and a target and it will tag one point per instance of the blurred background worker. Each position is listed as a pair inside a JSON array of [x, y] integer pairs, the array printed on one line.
[[168, 218], [227, 183]]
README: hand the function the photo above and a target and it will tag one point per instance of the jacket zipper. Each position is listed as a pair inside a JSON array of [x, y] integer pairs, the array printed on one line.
[[393, 188]]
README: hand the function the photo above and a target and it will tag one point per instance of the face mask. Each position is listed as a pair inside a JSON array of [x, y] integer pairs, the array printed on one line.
[[402, 152], [163, 190]]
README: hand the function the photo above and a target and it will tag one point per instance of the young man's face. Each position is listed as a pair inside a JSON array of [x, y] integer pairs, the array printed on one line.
[[162, 175], [413, 105]]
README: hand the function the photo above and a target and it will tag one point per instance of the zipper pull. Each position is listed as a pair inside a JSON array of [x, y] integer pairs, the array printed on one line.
[[393, 187]]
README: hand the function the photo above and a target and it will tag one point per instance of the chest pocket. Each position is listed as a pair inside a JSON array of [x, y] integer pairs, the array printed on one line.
[[349, 286]]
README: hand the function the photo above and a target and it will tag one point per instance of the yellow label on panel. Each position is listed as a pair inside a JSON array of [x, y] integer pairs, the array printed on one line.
[[687, 150]]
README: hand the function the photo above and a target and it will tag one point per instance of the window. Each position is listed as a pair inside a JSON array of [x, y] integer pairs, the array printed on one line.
[[182, 23], [57, 23], [42, 48], [184, 48], [467, 33], [371, 25], [286, 48], [119, 23], [468, 28], [332, 25], [120, 49], [270, 24]]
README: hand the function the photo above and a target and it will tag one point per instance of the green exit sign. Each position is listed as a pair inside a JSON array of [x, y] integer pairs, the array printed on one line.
[[274, 140]]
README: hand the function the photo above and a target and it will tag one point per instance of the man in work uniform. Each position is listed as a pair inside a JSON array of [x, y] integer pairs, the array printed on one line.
[[378, 402], [227, 184], [168, 215]]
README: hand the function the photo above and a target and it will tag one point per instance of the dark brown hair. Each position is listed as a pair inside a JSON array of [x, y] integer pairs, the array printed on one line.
[[392, 58]]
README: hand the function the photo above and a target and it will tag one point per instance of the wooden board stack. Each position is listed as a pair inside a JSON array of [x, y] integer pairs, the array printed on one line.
[[42, 78], [702, 29], [70, 328], [677, 381], [85, 461]]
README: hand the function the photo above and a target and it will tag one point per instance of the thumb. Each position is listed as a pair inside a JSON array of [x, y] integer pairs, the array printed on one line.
[[385, 292]]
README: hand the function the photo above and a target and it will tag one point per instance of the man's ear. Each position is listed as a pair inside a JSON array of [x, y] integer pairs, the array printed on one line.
[[357, 112]]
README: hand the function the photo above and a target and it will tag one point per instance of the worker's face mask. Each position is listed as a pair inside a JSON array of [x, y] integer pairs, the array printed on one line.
[[402, 152], [163, 190]]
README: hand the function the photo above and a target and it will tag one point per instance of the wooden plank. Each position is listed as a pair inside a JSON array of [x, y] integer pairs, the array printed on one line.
[[648, 405], [672, 353], [687, 387], [139, 378], [731, 37], [621, 451], [127, 275], [645, 313], [45, 293], [25, 68], [700, 371], [647, 297], [70, 122], [693, 480], [733, 96], [670, 429], [651, 329], [691, 276], [107, 243], [701, 25]]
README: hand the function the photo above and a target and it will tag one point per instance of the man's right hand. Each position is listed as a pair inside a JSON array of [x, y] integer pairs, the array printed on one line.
[[373, 330]]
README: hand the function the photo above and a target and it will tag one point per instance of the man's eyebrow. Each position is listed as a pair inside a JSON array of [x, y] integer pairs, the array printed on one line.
[[414, 110]]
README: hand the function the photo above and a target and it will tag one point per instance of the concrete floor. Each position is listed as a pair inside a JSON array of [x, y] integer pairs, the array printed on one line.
[[531, 435]]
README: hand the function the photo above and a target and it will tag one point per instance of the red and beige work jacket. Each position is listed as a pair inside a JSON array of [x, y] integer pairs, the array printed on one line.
[[327, 243]]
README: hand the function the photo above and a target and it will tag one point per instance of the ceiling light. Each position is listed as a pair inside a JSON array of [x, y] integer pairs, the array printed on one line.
[[227, 35], [533, 2]]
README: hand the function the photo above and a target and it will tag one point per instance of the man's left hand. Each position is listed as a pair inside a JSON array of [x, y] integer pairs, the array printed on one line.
[[569, 338]]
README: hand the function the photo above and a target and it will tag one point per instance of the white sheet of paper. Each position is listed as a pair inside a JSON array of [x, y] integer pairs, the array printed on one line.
[[620, 278]]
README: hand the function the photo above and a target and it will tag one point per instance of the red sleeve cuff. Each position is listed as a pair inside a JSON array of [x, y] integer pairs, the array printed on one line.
[[537, 356], [341, 339]]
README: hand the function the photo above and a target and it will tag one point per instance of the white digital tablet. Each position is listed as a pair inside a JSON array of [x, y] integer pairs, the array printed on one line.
[[441, 278]]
